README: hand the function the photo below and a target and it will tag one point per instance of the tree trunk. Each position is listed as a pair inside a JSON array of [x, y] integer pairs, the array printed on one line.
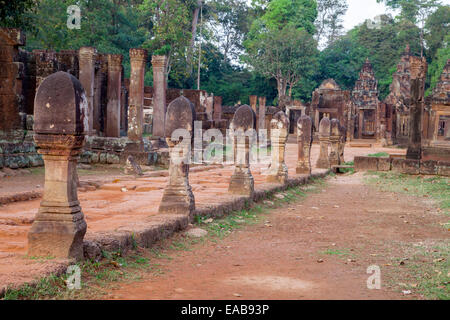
[[194, 32]]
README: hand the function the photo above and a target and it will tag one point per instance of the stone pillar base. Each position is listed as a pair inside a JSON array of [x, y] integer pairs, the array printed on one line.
[[242, 183], [323, 164], [279, 175], [177, 200], [303, 168], [58, 235]]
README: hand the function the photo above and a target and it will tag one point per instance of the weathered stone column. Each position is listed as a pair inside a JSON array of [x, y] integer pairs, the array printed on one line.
[[262, 113], [159, 64], [138, 58], [242, 182], [335, 139], [253, 102], [304, 141], [87, 57], [217, 112], [60, 122], [279, 132], [360, 124], [178, 197], [324, 137], [342, 141], [418, 78], [100, 94], [114, 94]]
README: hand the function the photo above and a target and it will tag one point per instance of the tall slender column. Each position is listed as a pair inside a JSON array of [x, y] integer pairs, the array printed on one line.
[[114, 95], [87, 57], [159, 64], [253, 102], [138, 58], [262, 113]]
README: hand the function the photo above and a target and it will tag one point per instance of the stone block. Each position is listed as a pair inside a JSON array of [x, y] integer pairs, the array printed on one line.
[[443, 168], [428, 167], [384, 164]]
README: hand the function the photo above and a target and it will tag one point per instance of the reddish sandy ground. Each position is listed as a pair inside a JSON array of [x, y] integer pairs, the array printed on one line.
[[111, 209], [288, 260]]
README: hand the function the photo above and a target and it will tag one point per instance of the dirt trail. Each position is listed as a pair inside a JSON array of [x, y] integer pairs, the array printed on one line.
[[355, 224]]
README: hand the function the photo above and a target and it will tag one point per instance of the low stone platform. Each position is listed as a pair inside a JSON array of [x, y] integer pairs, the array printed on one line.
[[400, 164]]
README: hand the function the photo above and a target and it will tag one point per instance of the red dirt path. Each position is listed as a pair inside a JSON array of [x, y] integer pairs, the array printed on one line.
[[281, 262]]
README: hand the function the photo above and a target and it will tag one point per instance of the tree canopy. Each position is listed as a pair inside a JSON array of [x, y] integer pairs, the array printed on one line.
[[282, 49]]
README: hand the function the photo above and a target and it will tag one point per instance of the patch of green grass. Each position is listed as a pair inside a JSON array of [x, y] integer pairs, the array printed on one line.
[[379, 155], [94, 277], [436, 187], [429, 271], [348, 170], [336, 252]]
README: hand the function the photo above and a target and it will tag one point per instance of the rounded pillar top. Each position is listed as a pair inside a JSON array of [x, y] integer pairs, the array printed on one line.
[[334, 124], [60, 106], [324, 127], [180, 115], [138, 54], [304, 126], [280, 121], [244, 118]]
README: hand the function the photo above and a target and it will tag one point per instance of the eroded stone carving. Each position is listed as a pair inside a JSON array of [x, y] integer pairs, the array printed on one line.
[[61, 122], [242, 182], [304, 141], [324, 137], [279, 132], [178, 197]]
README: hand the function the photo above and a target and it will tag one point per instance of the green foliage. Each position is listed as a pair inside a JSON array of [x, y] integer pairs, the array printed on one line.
[[437, 65], [343, 60], [295, 13], [15, 13]]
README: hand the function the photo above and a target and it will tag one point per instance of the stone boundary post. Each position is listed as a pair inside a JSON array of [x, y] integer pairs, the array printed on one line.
[[61, 121]]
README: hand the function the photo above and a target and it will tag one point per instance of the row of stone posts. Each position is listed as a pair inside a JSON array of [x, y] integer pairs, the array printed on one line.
[[61, 123]]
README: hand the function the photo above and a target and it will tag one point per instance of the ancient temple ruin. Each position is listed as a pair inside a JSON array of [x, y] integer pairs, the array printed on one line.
[[365, 120], [436, 120], [120, 110], [397, 103], [329, 101]]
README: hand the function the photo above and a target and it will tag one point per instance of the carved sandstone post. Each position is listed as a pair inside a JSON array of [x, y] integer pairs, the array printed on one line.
[[335, 138], [253, 102], [60, 123], [87, 56], [418, 76], [279, 132], [159, 64], [242, 182], [138, 58], [304, 140], [342, 141], [178, 197], [114, 95], [324, 137]]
